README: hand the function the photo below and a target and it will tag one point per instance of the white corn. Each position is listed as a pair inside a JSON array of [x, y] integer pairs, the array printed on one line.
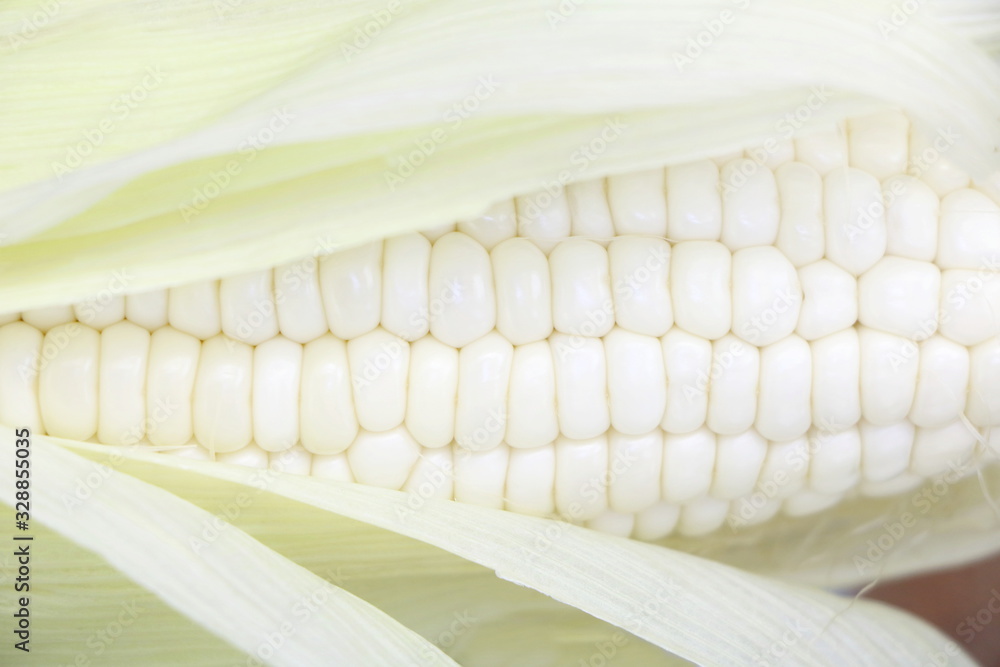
[[657, 352]]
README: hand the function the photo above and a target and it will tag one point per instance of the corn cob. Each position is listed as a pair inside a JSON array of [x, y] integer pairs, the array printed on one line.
[[648, 353]]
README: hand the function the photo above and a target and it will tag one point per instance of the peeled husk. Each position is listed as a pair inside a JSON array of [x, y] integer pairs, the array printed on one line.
[[220, 73]]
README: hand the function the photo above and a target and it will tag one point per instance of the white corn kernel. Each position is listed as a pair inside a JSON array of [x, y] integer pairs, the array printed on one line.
[[68, 382], [767, 297], [223, 420], [148, 309], [383, 459], [581, 288], [785, 389], [523, 291], [587, 202], [656, 522], [688, 465], [581, 466], [879, 143], [44, 319], [936, 170], [824, 150], [194, 309], [640, 279], [808, 502], [480, 476], [613, 523], [249, 313], [462, 298], [702, 516], [532, 419], [100, 313], [335, 467], [969, 232], [885, 450], [581, 386], [433, 475], [544, 218], [912, 211], [379, 364], [732, 397], [700, 275], [637, 202], [497, 224], [688, 361], [942, 382], [800, 232], [829, 302], [294, 461], [835, 464], [836, 389], [738, 460], [351, 283], [855, 220], [900, 296], [432, 392], [694, 207], [888, 375], [301, 317], [944, 449], [122, 387], [635, 462], [531, 480], [277, 380], [637, 384], [750, 210], [483, 379], [432, 234], [20, 360], [785, 470], [406, 263], [250, 456], [328, 421], [174, 359], [970, 305], [773, 154]]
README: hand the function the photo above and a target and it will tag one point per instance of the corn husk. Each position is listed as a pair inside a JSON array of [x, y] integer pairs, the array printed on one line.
[[240, 589], [344, 118]]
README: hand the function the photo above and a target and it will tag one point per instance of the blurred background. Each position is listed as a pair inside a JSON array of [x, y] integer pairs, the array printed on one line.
[[964, 603]]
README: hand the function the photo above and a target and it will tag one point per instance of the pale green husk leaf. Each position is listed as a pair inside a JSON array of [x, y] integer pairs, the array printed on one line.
[[164, 97], [238, 589], [673, 600], [204, 82]]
